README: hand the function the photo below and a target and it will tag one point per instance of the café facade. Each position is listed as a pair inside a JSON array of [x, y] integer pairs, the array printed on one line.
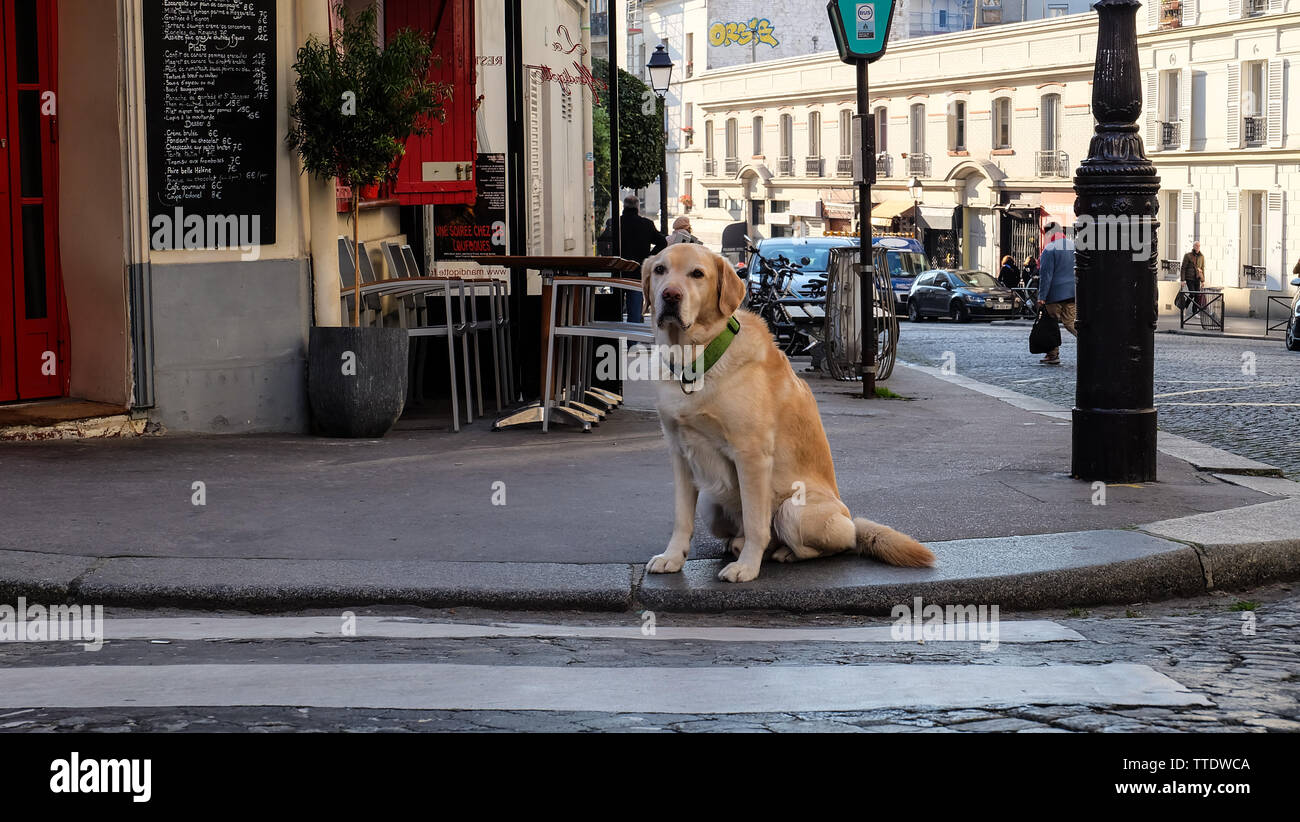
[[168, 257]]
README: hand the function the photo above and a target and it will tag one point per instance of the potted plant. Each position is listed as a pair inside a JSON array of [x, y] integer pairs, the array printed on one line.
[[687, 202], [355, 107]]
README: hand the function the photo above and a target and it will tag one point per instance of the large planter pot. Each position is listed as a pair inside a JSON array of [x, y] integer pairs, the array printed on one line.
[[356, 380]]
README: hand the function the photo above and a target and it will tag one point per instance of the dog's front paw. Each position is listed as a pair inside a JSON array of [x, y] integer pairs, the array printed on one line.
[[665, 563], [738, 572]]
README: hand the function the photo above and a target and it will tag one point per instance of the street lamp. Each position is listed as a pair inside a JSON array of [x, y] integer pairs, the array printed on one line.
[[660, 68], [914, 188]]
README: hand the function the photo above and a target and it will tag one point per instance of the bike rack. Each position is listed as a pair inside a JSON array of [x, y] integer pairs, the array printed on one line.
[[1210, 309], [1285, 302]]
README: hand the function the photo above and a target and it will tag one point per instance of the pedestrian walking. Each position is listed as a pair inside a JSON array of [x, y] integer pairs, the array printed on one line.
[[1009, 275], [1193, 274], [639, 239], [1056, 284], [682, 232]]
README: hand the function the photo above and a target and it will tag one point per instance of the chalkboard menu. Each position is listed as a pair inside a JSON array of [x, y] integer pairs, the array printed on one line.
[[211, 111]]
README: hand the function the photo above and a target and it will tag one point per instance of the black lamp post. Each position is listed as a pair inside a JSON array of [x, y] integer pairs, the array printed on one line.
[[1114, 431], [915, 189], [661, 74]]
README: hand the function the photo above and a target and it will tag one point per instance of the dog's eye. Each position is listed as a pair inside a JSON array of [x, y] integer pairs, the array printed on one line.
[[697, 274], [659, 269]]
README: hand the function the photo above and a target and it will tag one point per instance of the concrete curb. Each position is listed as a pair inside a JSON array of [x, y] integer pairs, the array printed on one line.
[[1174, 558]]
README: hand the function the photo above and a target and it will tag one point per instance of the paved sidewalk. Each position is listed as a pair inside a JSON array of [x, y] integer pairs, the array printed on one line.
[[522, 519]]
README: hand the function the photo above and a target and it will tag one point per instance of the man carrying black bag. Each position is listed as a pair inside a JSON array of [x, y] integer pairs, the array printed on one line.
[[1055, 291]]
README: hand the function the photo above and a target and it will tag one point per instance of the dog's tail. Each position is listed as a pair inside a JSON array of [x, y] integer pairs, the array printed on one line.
[[889, 546]]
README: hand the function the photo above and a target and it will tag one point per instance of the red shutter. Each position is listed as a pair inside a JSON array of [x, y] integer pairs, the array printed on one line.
[[452, 142]]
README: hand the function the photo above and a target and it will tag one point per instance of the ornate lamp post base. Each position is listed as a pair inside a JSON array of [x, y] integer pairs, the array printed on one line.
[[1114, 431]]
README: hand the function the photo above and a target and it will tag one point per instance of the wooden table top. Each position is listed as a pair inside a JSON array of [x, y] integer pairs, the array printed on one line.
[[574, 264]]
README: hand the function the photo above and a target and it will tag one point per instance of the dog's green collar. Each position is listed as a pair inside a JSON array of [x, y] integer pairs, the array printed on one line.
[[712, 353]]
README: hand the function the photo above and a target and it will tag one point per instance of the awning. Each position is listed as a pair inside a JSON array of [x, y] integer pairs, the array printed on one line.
[[884, 213], [937, 218], [836, 195], [837, 211]]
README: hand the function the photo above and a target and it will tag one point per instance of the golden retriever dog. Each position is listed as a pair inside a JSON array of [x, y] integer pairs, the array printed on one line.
[[746, 432]]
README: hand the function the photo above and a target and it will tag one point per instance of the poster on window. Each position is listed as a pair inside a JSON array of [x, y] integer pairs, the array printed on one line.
[[461, 232]]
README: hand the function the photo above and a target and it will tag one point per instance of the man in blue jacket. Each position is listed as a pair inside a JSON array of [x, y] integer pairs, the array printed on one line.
[[1056, 283]]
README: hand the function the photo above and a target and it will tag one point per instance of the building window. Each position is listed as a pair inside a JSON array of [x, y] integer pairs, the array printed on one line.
[[690, 55], [917, 122], [957, 126], [709, 161], [1002, 123], [882, 130], [1255, 224], [846, 133], [1254, 93], [1169, 218], [1050, 114], [815, 134], [1167, 105], [713, 198], [787, 146], [732, 148], [758, 136], [780, 206]]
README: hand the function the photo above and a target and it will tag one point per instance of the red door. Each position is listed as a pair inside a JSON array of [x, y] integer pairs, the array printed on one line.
[[33, 353]]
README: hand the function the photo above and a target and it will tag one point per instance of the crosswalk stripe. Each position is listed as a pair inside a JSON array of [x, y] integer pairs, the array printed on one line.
[[216, 628], [677, 690]]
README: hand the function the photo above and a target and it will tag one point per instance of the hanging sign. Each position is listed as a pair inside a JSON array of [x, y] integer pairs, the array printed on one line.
[[861, 28]]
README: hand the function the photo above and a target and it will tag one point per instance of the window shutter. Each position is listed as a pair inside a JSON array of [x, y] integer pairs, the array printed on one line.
[[1189, 12], [1233, 130], [1274, 100], [1233, 244], [1153, 16], [1275, 6], [536, 181], [1275, 254], [952, 127], [1185, 108], [1152, 116], [453, 142], [1187, 219], [1234, 9]]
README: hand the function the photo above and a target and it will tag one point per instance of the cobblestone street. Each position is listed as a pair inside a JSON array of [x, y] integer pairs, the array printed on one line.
[[1239, 395], [1239, 651]]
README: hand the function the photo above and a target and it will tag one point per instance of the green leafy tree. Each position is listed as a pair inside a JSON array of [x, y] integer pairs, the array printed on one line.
[[640, 135], [357, 104]]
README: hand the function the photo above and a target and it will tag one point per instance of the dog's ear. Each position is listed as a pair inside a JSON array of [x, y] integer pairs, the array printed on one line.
[[646, 268], [731, 288]]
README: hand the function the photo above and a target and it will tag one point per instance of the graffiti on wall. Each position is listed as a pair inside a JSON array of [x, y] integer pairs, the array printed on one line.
[[741, 33]]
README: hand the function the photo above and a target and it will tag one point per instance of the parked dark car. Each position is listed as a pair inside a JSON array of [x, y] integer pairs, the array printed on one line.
[[962, 295], [1293, 327]]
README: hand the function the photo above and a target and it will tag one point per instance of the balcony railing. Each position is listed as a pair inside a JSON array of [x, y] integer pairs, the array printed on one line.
[[785, 166], [884, 165], [1253, 276], [1256, 130], [844, 165], [710, 168], [813, 166], [733, 166], [1052, 163], [1171, 134], [918, 165], [1170, 269]]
